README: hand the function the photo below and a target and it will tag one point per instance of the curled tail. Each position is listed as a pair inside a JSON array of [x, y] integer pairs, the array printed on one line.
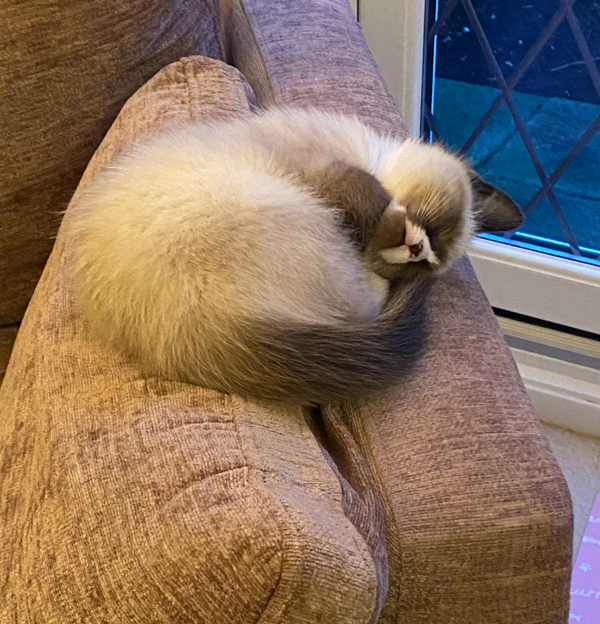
[[323, 363]]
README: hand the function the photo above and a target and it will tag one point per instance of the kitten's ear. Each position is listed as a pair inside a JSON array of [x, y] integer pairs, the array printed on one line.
[[495, 211]]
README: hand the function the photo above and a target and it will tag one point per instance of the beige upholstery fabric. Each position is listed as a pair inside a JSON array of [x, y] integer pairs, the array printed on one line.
[[479, 515], [125, 499], [7, 338], [132, 500], [66, 69], [308, 53], [483, 519]]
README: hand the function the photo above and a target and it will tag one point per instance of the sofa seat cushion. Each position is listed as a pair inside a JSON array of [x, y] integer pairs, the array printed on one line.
[[132, 499]]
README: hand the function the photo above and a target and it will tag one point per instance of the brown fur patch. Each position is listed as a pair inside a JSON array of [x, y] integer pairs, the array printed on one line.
[[359, 196]]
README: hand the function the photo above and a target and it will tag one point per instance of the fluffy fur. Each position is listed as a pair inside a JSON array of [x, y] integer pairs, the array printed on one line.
[[233, 255]]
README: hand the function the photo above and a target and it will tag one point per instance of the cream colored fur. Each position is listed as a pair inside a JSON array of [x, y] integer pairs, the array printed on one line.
[[199, 236], [310, 139]]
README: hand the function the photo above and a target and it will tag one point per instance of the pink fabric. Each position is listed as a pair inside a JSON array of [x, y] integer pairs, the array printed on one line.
[[585, 582]]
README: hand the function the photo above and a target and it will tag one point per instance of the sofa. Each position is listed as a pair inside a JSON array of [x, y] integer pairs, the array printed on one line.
[[133, 499]]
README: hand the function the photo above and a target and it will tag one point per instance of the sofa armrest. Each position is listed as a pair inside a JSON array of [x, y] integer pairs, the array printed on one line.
[[126, 498], [479, 514], [309, 53], [481, 526]]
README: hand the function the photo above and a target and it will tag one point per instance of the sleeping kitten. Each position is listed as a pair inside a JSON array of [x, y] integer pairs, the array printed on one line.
[[440, 203], [255, 256]]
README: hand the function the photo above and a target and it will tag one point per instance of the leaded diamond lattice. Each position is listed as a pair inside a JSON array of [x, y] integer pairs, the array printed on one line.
[[507, 78]]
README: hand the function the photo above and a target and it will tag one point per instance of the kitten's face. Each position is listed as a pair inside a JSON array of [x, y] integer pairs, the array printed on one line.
[[423, 231], [435, 210]]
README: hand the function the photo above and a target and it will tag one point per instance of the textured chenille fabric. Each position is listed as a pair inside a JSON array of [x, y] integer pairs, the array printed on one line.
[[309, 53], [7, 339], [66, 69], [478, 513], [126, 499]]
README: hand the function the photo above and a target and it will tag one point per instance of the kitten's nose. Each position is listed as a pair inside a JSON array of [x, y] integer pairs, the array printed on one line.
[[415, 250]]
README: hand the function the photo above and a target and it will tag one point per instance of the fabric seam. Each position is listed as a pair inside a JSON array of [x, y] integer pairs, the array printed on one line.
[[246, 11]]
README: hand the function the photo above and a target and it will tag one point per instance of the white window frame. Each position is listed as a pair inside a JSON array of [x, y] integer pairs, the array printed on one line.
[[517, 280]]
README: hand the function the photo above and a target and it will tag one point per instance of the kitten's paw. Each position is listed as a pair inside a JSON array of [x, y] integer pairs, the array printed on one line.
[[400, 240]]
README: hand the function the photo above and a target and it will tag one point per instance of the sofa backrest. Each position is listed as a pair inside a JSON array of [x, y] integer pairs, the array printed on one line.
[[66, 69]]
